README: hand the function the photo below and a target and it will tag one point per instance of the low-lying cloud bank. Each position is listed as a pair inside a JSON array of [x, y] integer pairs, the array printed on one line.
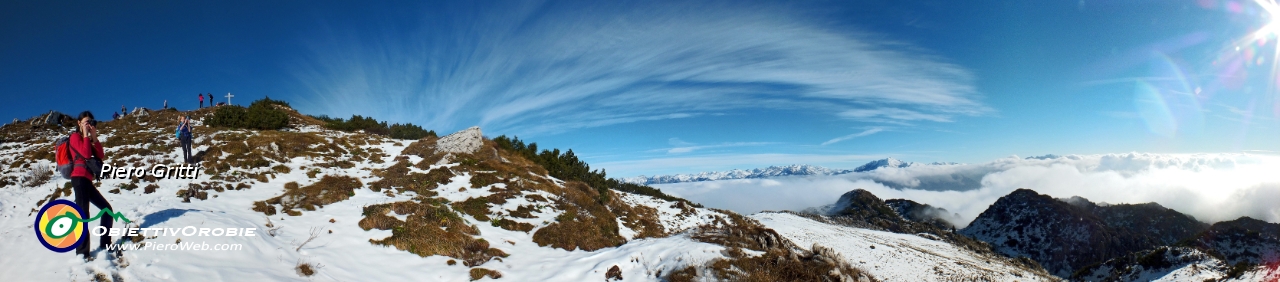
[[1211, 187]]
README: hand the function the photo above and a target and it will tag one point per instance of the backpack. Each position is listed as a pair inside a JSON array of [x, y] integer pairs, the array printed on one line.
[[62, 156], [66, 158]]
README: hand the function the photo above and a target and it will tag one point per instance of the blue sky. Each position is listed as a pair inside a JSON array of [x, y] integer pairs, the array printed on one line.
[[653, 87]]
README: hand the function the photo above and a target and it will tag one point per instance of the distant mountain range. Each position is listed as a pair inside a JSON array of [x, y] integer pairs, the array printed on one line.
[[772, 171], [1079, 240]]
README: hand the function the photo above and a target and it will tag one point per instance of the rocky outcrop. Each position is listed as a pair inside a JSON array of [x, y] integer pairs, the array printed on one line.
[[54, 118], [1065, 235], [1244, 240], [466, 141], [924, 213]]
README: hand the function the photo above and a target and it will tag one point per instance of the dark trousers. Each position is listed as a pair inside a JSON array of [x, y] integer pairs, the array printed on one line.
[[87, 194], [186, 149], [202, 103]]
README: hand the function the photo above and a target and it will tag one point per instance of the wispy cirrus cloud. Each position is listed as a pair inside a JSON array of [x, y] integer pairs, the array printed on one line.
[[680, 146], [855, 135], [549, 67]]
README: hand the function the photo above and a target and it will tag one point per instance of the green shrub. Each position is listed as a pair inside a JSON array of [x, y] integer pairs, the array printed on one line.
[[267, 101], [261, 115], [567, 166], [370, 125], [409, 132]]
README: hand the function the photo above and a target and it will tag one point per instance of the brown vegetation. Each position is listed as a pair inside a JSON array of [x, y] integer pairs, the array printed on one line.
[[477, 273], [305, 269], [430, 228], [398, 176], [328, 190], [585, 223], [821, 264]]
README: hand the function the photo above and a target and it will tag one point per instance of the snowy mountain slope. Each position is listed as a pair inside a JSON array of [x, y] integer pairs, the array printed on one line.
[[1065, 237], [1174, 264], [1160, 264], [897, 257], [1242, 240], [289, 185], [862, 209]]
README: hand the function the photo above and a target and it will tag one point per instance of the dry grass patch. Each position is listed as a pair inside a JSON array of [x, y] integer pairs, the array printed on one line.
[[484, 179], [328, 190], [511, 225], [523, 211], [38, 175], [430, 228], [821, 264], [65, 191], [475, 207], [644, 220], [477, 273], [737, 231], [424, 148], [305, 269], [280, 168], [782, 260], [585, 223], [282, 146], [398, 176]]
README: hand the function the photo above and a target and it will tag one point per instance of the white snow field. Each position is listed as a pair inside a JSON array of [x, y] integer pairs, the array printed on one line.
[[346, 254], [892, 256]]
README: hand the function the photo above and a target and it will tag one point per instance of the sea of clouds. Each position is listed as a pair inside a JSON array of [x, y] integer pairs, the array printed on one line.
[[1210, 187]]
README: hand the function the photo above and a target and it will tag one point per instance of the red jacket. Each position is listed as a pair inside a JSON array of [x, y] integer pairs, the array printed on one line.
[[79, 145]]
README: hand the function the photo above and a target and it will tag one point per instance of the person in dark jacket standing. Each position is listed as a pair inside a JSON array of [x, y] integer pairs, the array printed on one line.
[[184, 136], [85, 143]]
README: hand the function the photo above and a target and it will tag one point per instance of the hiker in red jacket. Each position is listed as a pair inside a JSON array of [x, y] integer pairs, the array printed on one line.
[[201, 99], [84, 143]]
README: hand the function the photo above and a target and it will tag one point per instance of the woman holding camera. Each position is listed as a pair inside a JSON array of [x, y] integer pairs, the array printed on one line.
[[84, 145]]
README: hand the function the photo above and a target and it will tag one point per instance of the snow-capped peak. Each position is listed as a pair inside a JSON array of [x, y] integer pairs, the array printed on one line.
[[881, 163], [772, 171]]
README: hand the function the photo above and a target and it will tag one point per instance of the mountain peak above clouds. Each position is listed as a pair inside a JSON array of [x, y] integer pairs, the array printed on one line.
[[772, 171], [1067, 234], [883, 163]]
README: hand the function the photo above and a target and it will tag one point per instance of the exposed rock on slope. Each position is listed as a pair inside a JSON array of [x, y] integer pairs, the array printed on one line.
[[1245, 240], [1165, 263], [466, 141], [924, 213], [1066, 236], [859, 208]]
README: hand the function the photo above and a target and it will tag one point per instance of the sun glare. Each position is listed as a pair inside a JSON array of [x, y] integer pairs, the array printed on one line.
[[1273, 25]]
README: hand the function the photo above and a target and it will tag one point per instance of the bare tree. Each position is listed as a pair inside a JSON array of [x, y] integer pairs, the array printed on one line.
[[315, 232]]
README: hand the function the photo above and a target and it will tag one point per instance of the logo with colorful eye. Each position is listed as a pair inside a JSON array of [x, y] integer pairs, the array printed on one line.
[[58, 226]]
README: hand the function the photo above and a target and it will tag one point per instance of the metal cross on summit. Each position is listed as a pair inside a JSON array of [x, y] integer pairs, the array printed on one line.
[[229, 98]]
